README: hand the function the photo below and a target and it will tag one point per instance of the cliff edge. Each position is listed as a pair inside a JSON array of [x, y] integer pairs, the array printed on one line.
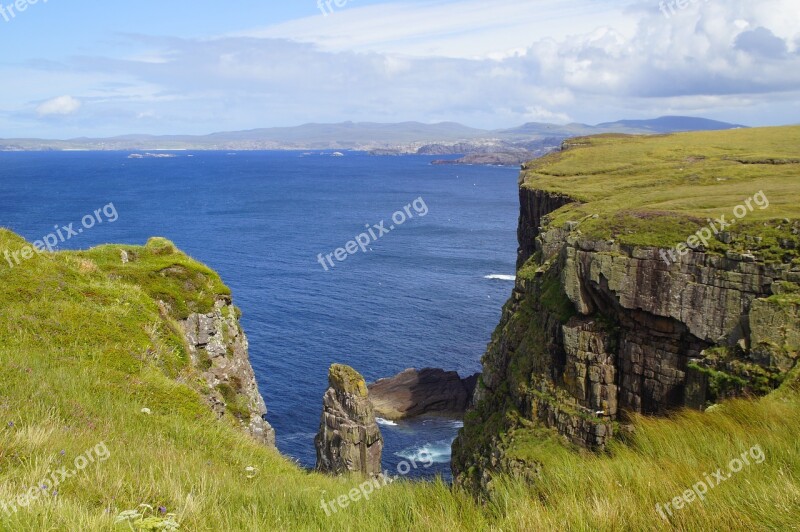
[[154, 308], [654, 273]]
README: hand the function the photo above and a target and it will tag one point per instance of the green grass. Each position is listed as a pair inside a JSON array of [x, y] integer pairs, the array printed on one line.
[[85, 346], [658, 190], [664, 458]]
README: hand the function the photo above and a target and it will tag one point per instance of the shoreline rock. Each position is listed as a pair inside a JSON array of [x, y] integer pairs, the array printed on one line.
[[413, 393]]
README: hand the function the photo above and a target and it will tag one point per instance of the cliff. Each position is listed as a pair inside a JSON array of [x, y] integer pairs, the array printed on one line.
[[193, 302], [144, 308], [613, 316], [218, 348]]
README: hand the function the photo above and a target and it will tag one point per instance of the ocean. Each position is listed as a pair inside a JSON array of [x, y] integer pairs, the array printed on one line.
[[426, 293]]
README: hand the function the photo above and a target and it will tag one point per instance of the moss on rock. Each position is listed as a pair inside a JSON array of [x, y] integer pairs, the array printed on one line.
[[347, 380]]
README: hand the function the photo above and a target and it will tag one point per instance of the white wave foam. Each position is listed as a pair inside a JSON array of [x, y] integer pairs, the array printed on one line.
[[438, 452], [298, 436], [501, 277], [381, 421]]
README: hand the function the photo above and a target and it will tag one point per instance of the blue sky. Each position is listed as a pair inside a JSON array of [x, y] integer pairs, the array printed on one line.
[[75, 68]]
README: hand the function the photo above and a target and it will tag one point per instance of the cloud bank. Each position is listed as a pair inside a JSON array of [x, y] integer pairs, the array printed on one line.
[[487, 65]]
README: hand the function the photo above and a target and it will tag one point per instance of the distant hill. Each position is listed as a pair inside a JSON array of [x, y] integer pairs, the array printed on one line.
[[664, 124], [671, 124], [405, 137], [357, 133], [542, 128]]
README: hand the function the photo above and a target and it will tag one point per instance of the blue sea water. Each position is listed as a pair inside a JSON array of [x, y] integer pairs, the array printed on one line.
[[420, 297]]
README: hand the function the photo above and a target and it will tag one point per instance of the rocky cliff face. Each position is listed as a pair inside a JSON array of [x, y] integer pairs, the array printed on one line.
[[349, 439], [219, 349], [595, 330]]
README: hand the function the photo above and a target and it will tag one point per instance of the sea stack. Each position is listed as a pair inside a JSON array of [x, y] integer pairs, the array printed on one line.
[[349, 439]]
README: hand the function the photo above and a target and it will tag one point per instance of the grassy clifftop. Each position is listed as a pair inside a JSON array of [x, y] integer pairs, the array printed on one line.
[[657, 190]]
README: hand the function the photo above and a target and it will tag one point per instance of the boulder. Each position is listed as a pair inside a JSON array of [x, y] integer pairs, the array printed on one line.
[[417, 392], [349, 439]]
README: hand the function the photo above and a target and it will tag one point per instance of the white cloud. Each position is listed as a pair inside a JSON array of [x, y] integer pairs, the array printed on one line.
[[62, 105]]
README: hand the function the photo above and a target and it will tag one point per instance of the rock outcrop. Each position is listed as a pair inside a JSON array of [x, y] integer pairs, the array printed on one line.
[[219, 349], [414, 392], [596, 330], [349, 439]]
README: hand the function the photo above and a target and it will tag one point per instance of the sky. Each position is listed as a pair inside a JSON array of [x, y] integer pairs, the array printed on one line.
[[73, 68]]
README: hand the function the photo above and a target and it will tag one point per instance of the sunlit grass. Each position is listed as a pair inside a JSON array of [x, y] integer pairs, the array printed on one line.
[[657, 190]]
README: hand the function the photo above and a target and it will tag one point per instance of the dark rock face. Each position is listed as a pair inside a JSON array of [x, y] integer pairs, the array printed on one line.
[[416, 392], [349, 439], [534, 206]]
